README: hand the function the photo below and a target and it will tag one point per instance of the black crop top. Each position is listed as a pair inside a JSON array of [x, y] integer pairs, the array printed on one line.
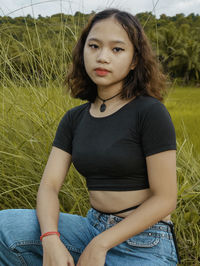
[[110, 151]]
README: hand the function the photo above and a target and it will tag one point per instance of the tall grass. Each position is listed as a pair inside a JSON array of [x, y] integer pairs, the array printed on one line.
[[184, 106], [28, 124], [31, 111]]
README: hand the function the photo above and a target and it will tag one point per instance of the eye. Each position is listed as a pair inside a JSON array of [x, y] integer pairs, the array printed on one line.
[[93, 46], [118, 49]]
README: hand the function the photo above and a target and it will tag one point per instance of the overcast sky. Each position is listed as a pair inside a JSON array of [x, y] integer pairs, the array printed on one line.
[[16, 8]]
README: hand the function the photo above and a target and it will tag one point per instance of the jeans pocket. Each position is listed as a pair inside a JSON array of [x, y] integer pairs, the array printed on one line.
[[144, 240], [151, 244]]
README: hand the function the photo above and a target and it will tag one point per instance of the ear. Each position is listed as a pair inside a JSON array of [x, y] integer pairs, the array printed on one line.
[[133, 66], [135, 61]]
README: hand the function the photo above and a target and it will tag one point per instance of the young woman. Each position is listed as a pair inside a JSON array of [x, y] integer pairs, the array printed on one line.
[[123, 141]]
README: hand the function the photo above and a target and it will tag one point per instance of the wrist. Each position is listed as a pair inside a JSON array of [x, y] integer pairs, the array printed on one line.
[[48, 237], [100, 242], [49, 234], [50, 240]]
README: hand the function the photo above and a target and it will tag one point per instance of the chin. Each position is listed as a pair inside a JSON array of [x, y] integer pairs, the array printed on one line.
[[102, 86], [101, 82]]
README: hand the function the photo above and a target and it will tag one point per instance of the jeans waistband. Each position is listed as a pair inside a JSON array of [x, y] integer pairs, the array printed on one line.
[[118, 212], [161, 225], [103, 217]]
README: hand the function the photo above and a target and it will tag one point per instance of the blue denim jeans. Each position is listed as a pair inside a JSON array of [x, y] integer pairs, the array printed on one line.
[[20, 239]]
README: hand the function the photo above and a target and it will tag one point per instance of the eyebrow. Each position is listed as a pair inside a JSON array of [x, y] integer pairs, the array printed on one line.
[[114, 41]]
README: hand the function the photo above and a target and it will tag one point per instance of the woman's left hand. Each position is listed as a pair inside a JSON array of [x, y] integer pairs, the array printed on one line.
[[93, 254]]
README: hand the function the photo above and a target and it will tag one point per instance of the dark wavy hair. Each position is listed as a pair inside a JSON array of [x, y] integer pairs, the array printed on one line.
[[147, 77]]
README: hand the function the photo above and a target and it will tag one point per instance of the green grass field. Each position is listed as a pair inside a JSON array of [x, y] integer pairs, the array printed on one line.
[[184, 106], [28, 122]]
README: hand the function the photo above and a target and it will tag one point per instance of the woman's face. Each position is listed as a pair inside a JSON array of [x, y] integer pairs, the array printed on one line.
[[109, 47]]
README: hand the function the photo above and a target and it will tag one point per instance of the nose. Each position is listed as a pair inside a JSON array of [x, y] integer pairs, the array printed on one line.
[[103, 56]]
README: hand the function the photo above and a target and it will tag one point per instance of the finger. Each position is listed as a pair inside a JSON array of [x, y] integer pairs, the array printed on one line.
[[71, 262]]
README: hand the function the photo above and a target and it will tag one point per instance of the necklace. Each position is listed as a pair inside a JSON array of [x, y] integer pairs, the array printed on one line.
[[103, 106]]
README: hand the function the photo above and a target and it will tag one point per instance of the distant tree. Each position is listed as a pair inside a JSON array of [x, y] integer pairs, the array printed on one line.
[[41, 47], [78, 14], [186, 61]]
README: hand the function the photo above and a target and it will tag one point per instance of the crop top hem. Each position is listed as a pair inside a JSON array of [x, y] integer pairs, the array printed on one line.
[[121, 188], [116, 189]]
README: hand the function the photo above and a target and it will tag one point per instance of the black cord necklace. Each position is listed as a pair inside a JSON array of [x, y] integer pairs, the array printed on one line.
[[103, 106]]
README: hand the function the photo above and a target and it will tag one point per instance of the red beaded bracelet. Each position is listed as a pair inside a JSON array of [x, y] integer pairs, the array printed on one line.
[[49, 233]]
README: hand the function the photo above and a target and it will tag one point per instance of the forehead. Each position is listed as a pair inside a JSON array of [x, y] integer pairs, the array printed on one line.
[[109, 30]]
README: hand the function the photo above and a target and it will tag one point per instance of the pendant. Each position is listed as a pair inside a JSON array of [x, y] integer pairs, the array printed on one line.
[[103, 107]]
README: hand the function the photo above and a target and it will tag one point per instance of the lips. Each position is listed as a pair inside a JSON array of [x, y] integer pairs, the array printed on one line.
[[101, 71]]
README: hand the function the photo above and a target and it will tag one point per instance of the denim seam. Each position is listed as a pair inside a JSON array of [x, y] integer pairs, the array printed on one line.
[[173, 253], [171, 259], [97, 224], [135, 243], [95, 227], [22, 260], [12, 247], [72, 248], [94, 224], [24, 243], [156, 235], [159, 227], [18, 255]]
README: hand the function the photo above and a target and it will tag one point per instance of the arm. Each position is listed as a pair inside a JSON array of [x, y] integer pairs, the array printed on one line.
[[47, 198], [54, 251], [161, 169]]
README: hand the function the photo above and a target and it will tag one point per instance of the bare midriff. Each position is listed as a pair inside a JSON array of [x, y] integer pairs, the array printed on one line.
[[114, 201]]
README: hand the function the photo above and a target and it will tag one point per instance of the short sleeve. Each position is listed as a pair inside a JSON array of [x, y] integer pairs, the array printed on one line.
[[157, 130], [63, 136]]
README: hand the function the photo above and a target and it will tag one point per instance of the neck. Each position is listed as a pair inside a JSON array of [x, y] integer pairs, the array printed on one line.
[[115, 97], [107, 92], [110, 102], [103, 105]]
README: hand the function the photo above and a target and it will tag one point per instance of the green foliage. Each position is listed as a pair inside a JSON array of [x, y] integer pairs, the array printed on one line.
[[28, 123], [39, 50], [34, 56], [183, 105]]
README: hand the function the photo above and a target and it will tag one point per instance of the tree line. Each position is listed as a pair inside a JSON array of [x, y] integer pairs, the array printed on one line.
[[38, 50]]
